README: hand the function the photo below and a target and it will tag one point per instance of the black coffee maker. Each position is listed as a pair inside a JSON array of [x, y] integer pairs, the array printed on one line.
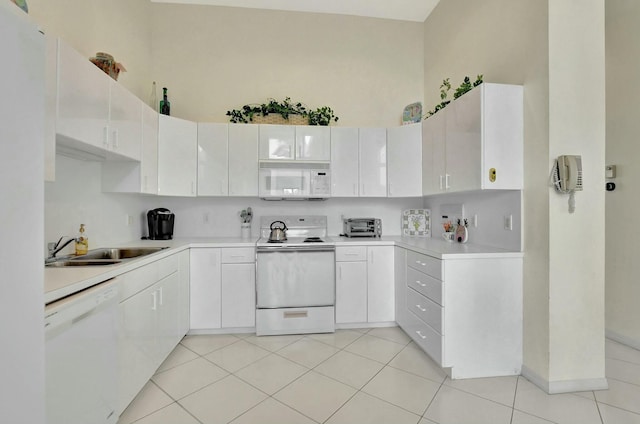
[[160, 224]]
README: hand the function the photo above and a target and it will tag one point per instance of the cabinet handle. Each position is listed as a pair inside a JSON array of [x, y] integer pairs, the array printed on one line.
[[340, 272], [421, 263], [355, 189], [299, 149], [440, 182], [372, 257], [420, 334], [421, 308], [446, 181], [390, 189], [193, 187], [105, 136], [116, 141], [146, 183], [421, 284], [155, 300], [160, 292], [363, 190]]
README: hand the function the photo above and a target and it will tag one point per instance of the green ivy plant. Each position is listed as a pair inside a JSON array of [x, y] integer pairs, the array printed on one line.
[[321, 116], [445, 87]]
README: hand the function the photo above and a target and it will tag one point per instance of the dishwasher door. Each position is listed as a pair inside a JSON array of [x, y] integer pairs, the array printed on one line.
[[81, 357], [295, 277]]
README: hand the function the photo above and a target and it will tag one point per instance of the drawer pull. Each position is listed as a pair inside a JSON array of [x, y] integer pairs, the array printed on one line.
[[420, 334], [421, 284], [299, 314], [421, 263], [421, 308]]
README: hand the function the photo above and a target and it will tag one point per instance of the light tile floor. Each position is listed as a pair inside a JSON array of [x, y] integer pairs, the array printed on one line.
[[360, 376]]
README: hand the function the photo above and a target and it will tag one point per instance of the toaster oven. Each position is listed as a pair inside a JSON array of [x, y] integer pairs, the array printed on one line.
[[362, 227]]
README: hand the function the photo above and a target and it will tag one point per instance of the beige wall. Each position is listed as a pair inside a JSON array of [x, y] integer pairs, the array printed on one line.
[[119, 27], [214, 59], [558, 55], [623, 150], [506, 41]]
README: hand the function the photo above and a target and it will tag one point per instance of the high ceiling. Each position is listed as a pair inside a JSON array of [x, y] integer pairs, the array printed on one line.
[[404, 10]]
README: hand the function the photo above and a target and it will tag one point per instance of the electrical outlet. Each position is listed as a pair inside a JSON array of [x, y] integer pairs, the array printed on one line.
[[508, 222], [128, 220], [475, 220]]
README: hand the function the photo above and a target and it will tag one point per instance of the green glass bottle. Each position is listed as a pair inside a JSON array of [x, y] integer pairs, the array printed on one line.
[[165, 105]]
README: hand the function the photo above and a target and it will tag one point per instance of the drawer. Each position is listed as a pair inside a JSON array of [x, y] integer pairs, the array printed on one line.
[[351, 253], [425, 337], [425, 284], [135, 281], [236, 255], [428, 311], [295, 320], [424, 263], [168, 266]]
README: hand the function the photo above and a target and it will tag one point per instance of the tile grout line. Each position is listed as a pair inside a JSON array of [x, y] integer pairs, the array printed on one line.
[[515, 394]]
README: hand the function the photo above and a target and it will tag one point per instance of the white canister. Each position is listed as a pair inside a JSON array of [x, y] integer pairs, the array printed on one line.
[[245, 230]]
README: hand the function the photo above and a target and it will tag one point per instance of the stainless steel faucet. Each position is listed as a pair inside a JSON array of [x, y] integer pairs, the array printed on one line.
[[55, 247]]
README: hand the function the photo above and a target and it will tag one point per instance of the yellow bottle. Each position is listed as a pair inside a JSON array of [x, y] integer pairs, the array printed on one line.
[[82, 242]]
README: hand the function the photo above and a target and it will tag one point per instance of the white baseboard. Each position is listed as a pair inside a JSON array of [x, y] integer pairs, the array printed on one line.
[[564, 386], [617, 337], [241, 330], [366, 325]]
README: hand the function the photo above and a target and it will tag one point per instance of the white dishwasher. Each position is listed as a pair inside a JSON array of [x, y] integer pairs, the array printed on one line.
[[81, 356]]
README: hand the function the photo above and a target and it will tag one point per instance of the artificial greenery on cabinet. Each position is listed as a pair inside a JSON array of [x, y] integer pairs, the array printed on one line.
[[445, 87], [321, 116]]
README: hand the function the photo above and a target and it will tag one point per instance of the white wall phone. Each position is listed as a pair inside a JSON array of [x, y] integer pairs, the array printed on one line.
[[567, 176], [569, 173]]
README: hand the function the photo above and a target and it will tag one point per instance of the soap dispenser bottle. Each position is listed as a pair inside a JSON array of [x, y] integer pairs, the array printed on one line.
[[82, 242]]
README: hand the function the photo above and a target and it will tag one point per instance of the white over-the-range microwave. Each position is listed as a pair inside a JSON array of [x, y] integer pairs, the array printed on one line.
[[294, 181]]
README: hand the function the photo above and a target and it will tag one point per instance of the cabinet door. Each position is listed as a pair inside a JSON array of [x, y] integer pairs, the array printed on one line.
[[238, 295], [83, 100], [404, 161], [433, 150], [136, 344], [184, 291], [177, 156], [344, 162], [205, 289], [380, 271], [51, 82], [213, 153], [125, 123], [277, 142], [373, 162], [313, 143], [351, 292], [149, 162], [168, 315], [243, 160], [463, 142]]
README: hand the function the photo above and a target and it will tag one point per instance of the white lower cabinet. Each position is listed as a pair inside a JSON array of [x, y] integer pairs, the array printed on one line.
[[465, 313], [222, 288], [364, 284], [149, 323]]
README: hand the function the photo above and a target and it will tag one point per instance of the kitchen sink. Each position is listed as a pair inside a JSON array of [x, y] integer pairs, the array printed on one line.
[[117, 253], [105, 256], [90, 262]]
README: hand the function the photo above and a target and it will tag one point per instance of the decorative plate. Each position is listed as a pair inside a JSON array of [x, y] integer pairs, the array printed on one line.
[[412, 113], [416, 222]]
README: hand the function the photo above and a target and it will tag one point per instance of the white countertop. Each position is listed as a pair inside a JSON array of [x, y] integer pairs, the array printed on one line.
[[63, 281]]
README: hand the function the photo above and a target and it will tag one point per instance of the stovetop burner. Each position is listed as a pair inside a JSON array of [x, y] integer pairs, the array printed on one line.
[[276, 241], [313, 240]]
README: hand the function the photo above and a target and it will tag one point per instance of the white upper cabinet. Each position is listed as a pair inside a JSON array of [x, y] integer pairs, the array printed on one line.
[[344, 162], [476, 142], [125, 122], [313, 143], [404, 161], [213, 154], [289, 142], [96, 117], [177, 156], [51, 77], [83, 101], [373, 162], [136, 177], [243, 160], [277, 142]]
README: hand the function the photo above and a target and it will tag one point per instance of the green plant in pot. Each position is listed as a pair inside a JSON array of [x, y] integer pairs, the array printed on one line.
[[445, 87], [321, 116]]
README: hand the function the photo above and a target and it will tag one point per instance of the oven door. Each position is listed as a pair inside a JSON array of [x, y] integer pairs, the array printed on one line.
[[291, 277]]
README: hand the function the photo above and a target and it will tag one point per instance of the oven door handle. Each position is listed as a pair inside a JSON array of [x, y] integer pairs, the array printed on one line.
[[290, 249]]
